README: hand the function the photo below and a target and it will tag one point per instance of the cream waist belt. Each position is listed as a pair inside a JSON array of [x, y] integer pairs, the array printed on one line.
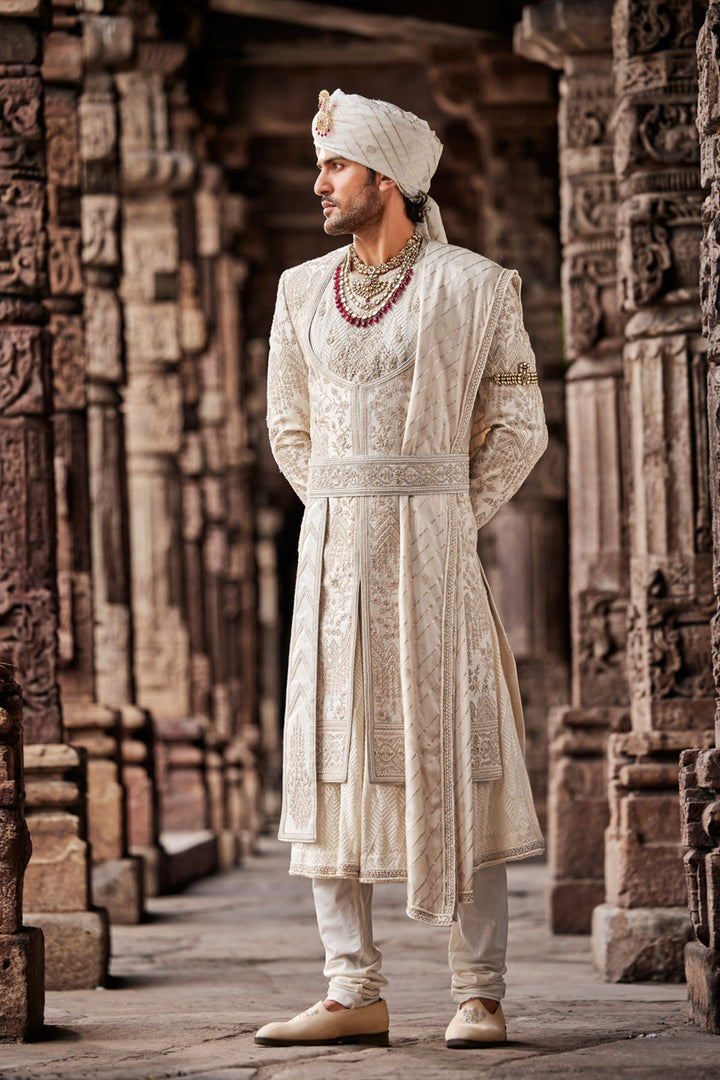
[[403, 475]]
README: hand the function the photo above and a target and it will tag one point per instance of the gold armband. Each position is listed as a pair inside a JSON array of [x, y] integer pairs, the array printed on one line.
[[523, 376]]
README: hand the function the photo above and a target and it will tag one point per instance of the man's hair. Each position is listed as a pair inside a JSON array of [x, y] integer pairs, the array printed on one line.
[[414, 207]]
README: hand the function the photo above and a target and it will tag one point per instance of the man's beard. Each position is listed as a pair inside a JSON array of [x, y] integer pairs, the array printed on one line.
[[364, 209]]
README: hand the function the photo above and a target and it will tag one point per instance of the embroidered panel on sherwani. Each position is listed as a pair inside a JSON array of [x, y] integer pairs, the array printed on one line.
[[396, 435]]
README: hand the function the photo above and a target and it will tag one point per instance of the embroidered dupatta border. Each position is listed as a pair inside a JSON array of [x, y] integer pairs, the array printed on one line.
[[473, 386], [415, 910], [299, 809]]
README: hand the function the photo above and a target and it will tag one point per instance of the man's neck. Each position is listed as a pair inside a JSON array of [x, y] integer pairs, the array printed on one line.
[[377, 244]]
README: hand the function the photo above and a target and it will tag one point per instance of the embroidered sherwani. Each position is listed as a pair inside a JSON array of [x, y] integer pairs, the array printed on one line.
[[403, 728]]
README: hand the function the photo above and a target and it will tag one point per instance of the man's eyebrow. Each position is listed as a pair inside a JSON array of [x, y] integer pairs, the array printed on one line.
[[329, 161]]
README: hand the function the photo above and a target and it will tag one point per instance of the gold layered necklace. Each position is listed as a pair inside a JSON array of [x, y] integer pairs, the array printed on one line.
[[364, 300]]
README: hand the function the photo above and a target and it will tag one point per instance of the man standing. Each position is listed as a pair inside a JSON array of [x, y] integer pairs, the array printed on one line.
[[403, 407]]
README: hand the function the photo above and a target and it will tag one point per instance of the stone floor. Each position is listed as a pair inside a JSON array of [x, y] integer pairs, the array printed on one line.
[[190, 986]]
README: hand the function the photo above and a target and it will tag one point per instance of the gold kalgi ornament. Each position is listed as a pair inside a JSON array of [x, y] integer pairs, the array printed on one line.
[[323, 123]]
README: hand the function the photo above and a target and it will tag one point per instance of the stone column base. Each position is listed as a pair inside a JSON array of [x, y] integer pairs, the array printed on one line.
[[640, 944], [77, 948], [22, 989], [702, 970], [152, 857], [188, 856], [571, 905], [229, 854], [117, 885]]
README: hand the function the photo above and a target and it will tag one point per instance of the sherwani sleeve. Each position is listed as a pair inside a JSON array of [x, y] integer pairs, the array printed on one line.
[[508, 433], [288, 402]]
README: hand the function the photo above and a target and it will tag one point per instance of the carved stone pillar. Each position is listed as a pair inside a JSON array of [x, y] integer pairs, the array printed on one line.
[[640, 931], [109, 42], [700, 770], [57, 882], [503, 112], [269, 524], [575, 37], [28, 594], [112, 619], [28, 590], [216, 503], [151, 172], [242, 768], [80, 148], [22, 989]]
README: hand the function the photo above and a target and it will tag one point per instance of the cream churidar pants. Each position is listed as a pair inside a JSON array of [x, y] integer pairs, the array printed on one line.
[[478, 940]]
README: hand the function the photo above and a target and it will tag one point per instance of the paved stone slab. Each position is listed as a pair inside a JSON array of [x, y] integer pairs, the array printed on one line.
[[189, 988]]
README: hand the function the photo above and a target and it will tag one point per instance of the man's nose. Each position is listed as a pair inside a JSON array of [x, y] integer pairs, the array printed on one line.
[[322, 184]]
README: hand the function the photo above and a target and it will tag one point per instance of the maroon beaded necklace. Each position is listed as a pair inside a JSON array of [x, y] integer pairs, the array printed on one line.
[[369, 320], [373, 293]]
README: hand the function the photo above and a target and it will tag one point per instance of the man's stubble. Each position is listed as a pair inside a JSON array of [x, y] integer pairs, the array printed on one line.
[[365, 208]]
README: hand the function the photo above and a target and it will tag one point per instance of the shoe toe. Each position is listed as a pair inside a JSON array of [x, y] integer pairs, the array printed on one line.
[[472, 1027]]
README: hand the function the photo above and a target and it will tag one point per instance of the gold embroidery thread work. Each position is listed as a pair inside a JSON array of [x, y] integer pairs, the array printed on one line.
[[522, 376]]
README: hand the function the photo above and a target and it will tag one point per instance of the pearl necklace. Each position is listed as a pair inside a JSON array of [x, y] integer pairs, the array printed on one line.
[[364, 302]]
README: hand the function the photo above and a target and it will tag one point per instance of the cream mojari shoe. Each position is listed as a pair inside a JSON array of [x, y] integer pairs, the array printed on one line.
[[318, 1027], [474, 1026]]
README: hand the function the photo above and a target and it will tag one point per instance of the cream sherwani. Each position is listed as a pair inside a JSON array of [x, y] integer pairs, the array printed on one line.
[[403, 729]]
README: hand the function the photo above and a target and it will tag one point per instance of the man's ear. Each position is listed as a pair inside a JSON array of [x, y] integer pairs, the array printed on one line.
[[385, 183]]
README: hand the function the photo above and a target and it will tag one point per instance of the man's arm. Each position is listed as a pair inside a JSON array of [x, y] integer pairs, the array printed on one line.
[[288, 403], [508, 434]]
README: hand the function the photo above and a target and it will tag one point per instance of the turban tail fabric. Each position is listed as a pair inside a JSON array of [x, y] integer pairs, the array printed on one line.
[[387, 139]]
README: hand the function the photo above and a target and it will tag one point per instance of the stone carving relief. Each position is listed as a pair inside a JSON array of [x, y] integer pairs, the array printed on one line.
[[33, 653], [668, 133], [659, 246], [640, 76], [154, 414], [102, 334], [584, 114], [708, 54], [601, 642], [700, 787], [68, 361], [656, 134], [20, 131], [21, 384], [669, 641], [15, 846], [647, 26], [589, 205], [710, 276], [99, 230], [61, 124], [22, 241], [64, 265], [98, 126], [586, 275]]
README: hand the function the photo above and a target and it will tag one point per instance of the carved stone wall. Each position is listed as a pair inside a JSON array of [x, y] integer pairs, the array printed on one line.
[[37, 262], [128, 562], [671, 600], [28, 591], [507, 111], [22, 990], [575, 37], [189, 467], [700, 770], [81, 150]]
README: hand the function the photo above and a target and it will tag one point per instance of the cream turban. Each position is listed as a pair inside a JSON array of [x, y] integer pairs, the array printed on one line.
[[382, 137]]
